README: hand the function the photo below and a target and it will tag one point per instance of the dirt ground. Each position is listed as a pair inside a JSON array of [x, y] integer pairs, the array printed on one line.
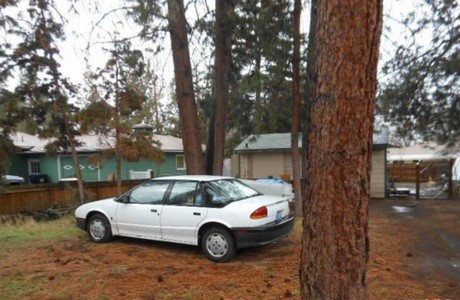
[[415, 254], [415, 249]]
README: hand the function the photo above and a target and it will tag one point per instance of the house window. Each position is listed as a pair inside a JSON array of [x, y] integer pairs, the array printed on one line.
[[180, 162], [34, 166]]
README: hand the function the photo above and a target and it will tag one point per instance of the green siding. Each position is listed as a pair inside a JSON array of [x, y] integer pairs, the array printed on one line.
[[164, 169], [49, 166], [88, 171], [168, 168], [18, 166]]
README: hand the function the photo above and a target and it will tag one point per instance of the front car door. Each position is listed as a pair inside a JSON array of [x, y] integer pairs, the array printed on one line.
[[184, 209], [140, 216]]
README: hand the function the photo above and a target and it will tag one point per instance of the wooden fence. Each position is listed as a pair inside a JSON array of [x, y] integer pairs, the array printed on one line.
[[429, 171], [16, 199]]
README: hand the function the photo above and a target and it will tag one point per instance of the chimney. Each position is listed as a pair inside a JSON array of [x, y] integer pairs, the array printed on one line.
[[143, 128]]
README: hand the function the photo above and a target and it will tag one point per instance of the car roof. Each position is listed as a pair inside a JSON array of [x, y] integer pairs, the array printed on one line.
[[194, 177]]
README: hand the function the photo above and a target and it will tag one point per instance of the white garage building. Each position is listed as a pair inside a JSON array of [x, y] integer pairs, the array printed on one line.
[[263, 155]]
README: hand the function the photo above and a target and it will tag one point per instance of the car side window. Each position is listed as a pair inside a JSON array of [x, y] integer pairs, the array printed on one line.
[[200, 198], [213, 197], [151, 192], [183, 193]]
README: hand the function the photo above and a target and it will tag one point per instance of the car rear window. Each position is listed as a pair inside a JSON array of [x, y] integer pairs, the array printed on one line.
[[224, 191]]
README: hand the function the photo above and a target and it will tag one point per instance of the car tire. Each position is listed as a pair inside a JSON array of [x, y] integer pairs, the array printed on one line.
[[218, 244], [99, 229]]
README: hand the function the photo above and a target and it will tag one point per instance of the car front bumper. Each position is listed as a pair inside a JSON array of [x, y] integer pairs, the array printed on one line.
[[262, 235]]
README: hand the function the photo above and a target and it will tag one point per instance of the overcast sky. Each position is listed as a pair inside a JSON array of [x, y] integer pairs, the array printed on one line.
[[89, 28]]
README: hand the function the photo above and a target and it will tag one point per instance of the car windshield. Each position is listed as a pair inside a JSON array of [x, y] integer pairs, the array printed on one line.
[[225, 191]]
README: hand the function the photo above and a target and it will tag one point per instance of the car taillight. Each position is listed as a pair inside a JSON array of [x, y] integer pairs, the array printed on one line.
[[260, 213]]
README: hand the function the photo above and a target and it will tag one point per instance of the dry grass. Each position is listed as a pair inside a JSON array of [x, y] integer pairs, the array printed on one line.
[[55, 260]]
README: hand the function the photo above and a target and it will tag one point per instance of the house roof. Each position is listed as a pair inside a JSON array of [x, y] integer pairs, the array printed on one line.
[[423, 151], [282, 141], [269, 141], [90, 143]]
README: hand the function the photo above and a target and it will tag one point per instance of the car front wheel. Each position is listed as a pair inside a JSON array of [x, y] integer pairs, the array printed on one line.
[[218, 244], [99, 228]]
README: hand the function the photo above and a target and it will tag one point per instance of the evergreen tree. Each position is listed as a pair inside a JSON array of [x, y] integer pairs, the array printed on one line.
[[420, 92], [191, 135], [223, 59], [151, 16], [263, 62], [171, 115], [43, 92], [152, 112], [115, 99], [11, 105], [260, 77]]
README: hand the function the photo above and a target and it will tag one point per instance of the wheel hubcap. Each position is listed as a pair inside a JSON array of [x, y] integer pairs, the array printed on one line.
[[97, 229], [217, 245]]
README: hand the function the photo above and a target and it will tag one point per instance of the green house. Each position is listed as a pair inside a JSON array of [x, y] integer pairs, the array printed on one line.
[[35, 166]]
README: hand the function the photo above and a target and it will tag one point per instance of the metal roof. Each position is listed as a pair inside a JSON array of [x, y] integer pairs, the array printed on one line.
[[90, 143], [282, 141], [269, 141], [423, 151]]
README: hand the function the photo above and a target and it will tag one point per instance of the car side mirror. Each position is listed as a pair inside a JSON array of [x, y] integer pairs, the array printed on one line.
[[123, 199]]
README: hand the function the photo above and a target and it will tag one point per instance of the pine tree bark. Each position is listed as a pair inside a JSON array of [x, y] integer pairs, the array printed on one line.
[[335, 249], [209, 159], [118, 148], [156, 109], [309, 94], [191, 137], [296, 158], [119, 154], [76, 159], [223, 41]]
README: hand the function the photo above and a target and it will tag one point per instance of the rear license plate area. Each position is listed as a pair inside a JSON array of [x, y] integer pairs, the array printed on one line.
[[279, 216]]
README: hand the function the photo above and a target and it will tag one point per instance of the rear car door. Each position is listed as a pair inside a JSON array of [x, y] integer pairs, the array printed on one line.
[[183, 211], [140, 216]]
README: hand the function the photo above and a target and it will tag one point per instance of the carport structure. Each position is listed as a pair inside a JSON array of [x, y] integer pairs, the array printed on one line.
[[426, 170]]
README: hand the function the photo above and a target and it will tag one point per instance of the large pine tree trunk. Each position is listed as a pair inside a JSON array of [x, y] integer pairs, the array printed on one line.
[[335, 247], [296, 158], [191, 137], [223, 60], [309, 94]]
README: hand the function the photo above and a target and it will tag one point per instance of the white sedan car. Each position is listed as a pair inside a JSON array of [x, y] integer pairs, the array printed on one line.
[[221, 214]]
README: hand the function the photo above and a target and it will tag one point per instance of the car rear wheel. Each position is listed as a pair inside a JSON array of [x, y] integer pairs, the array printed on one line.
[[218, 244], [99, 228]]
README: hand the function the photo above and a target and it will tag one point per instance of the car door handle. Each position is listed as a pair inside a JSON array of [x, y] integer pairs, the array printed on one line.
[[197, 214], [153, 210]]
